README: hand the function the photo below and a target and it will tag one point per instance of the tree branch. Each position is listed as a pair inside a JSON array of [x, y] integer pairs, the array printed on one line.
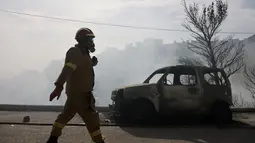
[[217, 53], [190, 61]]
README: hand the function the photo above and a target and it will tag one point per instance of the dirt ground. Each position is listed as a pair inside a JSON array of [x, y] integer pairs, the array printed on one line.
[[78, 134]]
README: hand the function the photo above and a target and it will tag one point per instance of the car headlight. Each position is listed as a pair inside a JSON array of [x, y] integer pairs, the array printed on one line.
[[120, 94], [113, 95], [117, 94]]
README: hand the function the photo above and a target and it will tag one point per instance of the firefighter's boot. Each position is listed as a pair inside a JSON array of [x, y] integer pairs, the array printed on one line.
[[100, 142], [103, 141], [52, 139]]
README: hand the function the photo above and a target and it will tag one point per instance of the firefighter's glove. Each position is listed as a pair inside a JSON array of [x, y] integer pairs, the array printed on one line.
[[56, 93], [94, 61]]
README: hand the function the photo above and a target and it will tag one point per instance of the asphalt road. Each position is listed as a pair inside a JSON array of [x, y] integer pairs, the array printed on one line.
[[39, 134], [176, 134]]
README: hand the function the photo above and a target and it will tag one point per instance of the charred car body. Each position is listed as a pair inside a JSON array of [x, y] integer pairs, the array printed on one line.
[[176, 90]]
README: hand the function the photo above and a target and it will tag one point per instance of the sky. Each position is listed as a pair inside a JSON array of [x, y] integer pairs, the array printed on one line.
[[31, 43]]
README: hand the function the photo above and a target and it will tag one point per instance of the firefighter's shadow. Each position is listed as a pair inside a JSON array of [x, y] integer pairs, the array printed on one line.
[[207, 134]]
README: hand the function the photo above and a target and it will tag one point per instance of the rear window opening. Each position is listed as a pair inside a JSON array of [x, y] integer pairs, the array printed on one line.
[[214, 78]]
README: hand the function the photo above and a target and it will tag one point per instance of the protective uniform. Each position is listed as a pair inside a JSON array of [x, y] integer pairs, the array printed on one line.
[[78, 74]]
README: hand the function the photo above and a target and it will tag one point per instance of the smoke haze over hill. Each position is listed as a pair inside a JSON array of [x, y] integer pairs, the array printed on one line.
[[115, 68]]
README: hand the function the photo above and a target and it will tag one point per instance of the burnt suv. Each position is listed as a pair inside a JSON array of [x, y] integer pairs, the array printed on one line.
[[176, 90]]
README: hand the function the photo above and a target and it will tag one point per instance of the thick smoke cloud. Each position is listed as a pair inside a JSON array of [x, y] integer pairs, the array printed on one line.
[[116, 68]]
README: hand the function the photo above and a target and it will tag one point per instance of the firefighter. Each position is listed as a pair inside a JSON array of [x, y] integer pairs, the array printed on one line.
[[79, 75]]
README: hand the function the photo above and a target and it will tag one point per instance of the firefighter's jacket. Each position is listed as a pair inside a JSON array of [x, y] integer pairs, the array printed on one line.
[[77, 72]]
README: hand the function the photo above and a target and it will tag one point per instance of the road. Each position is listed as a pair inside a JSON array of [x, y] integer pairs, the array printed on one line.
[[192, 134]]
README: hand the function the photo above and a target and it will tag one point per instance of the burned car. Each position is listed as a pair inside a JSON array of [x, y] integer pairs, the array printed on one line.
[[176, 90]]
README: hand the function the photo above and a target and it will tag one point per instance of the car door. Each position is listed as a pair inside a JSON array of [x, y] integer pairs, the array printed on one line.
[[181, 92], [214, 90]]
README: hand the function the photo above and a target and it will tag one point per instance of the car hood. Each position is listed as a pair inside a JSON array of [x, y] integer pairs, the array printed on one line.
[[136, 85]]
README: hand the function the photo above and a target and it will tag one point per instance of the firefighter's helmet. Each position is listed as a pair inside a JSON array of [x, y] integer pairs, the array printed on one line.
[[85, 36], [84, 33]]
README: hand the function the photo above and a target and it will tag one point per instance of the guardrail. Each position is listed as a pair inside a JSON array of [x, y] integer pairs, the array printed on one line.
[[243, 110], [50, 108], [41, 108]]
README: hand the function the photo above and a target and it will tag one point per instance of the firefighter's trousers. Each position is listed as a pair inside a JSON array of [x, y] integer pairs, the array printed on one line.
[[84, 105]]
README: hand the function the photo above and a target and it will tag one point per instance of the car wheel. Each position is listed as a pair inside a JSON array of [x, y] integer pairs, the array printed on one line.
[[143, 112], [221, 113]]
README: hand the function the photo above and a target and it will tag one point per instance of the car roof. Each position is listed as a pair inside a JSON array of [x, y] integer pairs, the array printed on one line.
[[203, 68]]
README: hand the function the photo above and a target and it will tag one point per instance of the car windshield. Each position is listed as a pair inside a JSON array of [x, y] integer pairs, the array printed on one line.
[[156, 77]]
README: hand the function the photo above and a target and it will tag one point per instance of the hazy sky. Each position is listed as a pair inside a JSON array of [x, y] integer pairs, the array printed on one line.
[[29, 43]]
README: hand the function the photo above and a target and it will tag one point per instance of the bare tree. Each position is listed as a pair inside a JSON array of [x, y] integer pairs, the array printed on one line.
[[190, 61], [204, 27], [238, 101], [249, 74]]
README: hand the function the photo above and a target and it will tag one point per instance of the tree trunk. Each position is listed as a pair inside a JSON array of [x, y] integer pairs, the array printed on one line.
[[213, 62]]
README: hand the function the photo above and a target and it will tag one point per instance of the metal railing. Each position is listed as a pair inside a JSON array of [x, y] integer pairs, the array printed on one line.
[[41, 108], [50, 108]]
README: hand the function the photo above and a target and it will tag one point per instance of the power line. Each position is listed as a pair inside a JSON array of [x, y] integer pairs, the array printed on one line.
[[109, 24]]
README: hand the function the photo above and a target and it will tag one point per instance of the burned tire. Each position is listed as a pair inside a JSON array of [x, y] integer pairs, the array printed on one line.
[[221, 113], [143, 111]]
